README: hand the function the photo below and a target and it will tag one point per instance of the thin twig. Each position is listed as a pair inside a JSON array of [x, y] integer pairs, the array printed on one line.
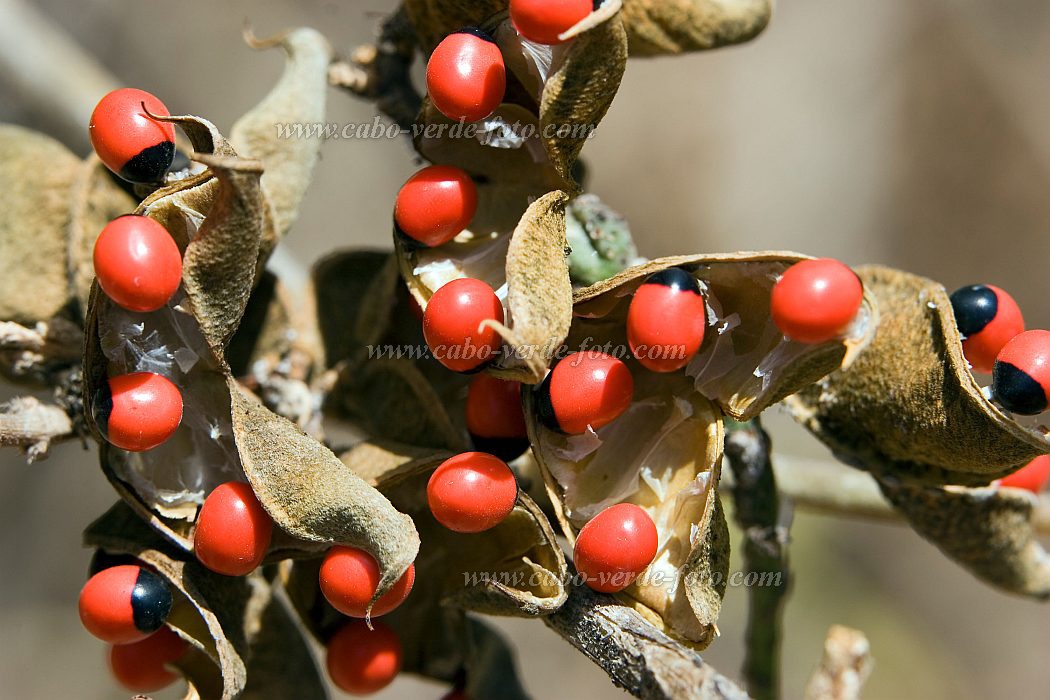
[[36, 350], [32, 425], [844, 666], [765, 553], [637, 656], [382, 72]]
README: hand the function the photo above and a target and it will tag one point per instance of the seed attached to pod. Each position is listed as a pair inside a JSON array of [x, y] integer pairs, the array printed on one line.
[[495, 418], [435, 205], [466, 77], [472, 492], [1031, 477], [143, 667], [137, 263], [452, 324], [816, 300], [349, 578], [127, 140], [1021, 376], [361, 661], [233, 530], [666, 320], [124, 604], [543, 21], [140, 411], [586, 389], [988, 318], [615, 546]]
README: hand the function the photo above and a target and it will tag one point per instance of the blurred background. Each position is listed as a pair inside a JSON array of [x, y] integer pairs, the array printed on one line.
[[907, 133]]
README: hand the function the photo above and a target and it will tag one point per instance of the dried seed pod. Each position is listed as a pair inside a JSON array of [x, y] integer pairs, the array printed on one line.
[[299, 97], [657, 27], [237, 627], [909, 407], [671, 471], [745, 364], [51, 199], [987, 531], [529, 259]]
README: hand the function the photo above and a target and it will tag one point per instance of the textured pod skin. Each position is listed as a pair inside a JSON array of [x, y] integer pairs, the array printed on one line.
[[132, 144], [349, 578], [124, 604], [908, 406], [137, 263]]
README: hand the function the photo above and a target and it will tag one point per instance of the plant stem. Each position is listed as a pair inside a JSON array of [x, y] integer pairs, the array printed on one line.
[[765, 554]]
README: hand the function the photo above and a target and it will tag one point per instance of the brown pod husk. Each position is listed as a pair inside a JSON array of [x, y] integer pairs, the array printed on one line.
[[299, 97], [745, 364], [52, 200], [672, 472], [988, 531], [909, 407], [527, 256], [657, 27]]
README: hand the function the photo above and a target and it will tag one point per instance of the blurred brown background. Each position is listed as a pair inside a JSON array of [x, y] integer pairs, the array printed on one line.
[[909, 133]]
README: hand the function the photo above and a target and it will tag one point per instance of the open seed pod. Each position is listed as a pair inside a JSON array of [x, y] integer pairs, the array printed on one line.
[[237, 627], [515, 568], [745, 363], [225, 433], [988, 531], [656, 27], [909, 407], [743, 366], [51, 200]]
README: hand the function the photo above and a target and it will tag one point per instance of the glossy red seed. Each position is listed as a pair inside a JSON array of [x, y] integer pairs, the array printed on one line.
[[543, 20], [666, 320], [1031, 477], [466, 77], [586, 388], [145, 411], [137, 263], [124, 604], [816, 300], [495, 419], [349, 578], [472, 492], [436, 204], [1021, 375], [988, 318], [452, 324], [362, 661], [144, 667], [615, 547], [127, 140], [233, 530]]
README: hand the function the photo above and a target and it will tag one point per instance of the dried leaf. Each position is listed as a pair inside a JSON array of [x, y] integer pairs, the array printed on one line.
[[987, 531], [745, 364], [219, 263], [656, 27], [298, 98], [663, 454], [37, 175], [909, 407], [312, 495]]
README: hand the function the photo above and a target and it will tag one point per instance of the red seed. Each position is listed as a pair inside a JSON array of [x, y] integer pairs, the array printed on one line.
[[362, 661], [137, 263], [233, 530], [130, 143], [349, 578], [1031, 477], [466, 77], [615, 547], [144, 667], [123, 604], [495, 418], [452, 324], [543, 20], [436, 204], [666, 320], [585, 389], [144, 411], [816, 300], [472, 492]]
